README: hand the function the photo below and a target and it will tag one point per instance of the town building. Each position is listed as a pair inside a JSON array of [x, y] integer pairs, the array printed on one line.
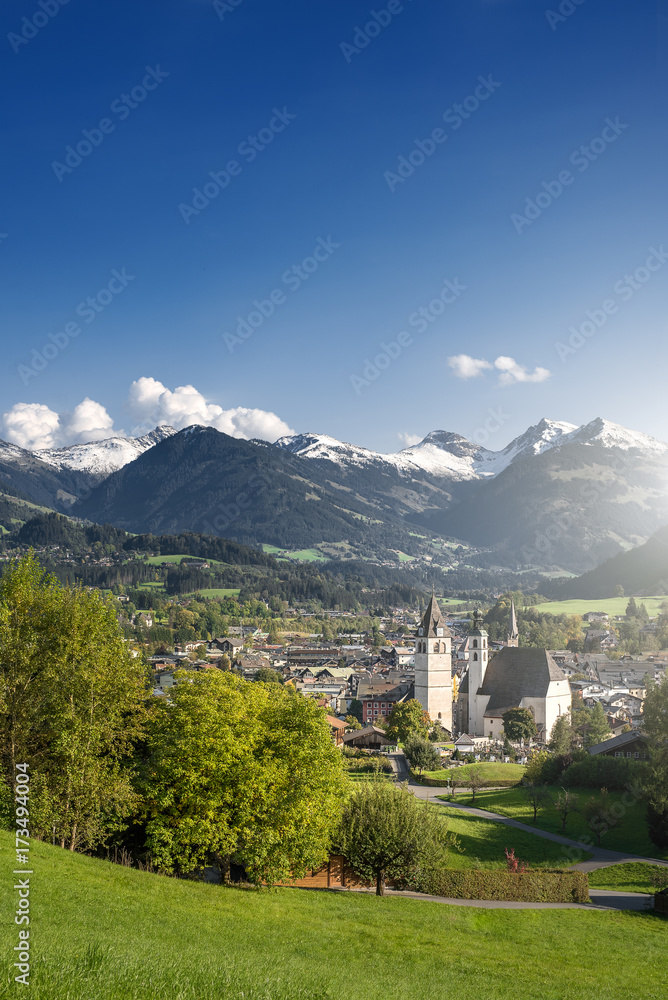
[[433, 665]]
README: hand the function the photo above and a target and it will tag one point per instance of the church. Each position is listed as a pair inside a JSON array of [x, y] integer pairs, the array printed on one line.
[[512, 678]]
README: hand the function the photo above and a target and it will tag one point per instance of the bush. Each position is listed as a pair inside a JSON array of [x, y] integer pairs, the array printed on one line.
[[615, 773], [544, 885]]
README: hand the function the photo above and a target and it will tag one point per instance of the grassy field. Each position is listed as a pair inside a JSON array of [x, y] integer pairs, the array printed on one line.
[[490, 771], [177, 559], [631, 877], [612, 605], [303, 555], [629, 835], [484, 842], [102, 932], [218, 592]]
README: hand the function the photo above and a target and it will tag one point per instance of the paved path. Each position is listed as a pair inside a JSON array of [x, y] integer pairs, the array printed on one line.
[[601, 857], [600, 900]]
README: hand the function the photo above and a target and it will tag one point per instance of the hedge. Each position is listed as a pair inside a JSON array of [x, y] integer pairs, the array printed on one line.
[[539, 885]]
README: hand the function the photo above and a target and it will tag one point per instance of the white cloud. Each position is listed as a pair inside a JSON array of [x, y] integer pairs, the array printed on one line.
[[31, 425], [464, 366], [512, 372], [35, 426], [408, 439], [151, 403]]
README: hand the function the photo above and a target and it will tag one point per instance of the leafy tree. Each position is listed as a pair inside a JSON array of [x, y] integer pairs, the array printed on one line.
[[631, 609], [475, 780], [508, 750], [356, 708], [385, 832], [240, 771], [536, 795], [421, 754], [439, 734], [406, 718], [352, 722], [72, 705], [518, 724], [590, 725], [598, 816], [266, 675], [619, 590], [562, 737], [566, 803], [533, 772], [655, 724]]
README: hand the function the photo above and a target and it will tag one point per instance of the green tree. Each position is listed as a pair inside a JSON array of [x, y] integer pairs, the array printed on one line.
[[597, 813], [655, 724], [241, 771], [266, 675], [536, 795], [72, 705], [631, 609], [421, 754], [352, 722], [356, 708], [475, 780], [599, 730], [518, 724], [406, 718], [562, 736], [566, 803], [385, 832]]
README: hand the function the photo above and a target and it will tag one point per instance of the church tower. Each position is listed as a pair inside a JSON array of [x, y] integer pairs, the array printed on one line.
[[433, 665], [513, 631], [478, 658]]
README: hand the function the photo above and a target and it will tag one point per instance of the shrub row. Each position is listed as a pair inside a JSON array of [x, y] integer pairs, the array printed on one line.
[[544, 885], [581, 770]]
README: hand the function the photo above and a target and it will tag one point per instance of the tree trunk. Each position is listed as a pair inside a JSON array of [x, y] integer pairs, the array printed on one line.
[[380, 882]]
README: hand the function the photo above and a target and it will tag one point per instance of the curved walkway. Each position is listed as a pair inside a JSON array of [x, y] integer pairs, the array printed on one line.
[[601, 857], [601, 899]]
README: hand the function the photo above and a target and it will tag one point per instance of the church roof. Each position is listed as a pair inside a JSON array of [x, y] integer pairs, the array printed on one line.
[[513, 674], [433, 619], [513, 631]]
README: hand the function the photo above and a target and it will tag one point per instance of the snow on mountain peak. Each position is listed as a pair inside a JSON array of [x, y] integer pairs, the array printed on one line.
[[101, 458], [604, 432]]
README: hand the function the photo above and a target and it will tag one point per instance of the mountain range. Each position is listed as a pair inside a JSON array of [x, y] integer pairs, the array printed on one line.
[[558, 499]]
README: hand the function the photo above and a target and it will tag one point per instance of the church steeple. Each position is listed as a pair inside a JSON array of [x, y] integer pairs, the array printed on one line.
[[433, 622], [513, 631]]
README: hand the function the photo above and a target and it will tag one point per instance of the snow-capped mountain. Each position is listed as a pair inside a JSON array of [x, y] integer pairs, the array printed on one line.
[[100, 458], [444, 454]]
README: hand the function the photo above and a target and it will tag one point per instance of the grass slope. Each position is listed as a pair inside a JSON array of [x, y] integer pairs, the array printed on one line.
[[101, 932], [490, 771], [629, 835], [484, 842], [611, 605], [631, 877]]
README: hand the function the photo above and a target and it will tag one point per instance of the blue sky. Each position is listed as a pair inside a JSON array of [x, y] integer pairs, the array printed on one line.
[[332, 125]]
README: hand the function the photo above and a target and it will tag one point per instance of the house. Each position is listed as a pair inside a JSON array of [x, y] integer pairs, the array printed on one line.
[[379, 698], [596, 616], [465, 743], [370, 738], [337, 729], [632, 745], [227, 645]]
